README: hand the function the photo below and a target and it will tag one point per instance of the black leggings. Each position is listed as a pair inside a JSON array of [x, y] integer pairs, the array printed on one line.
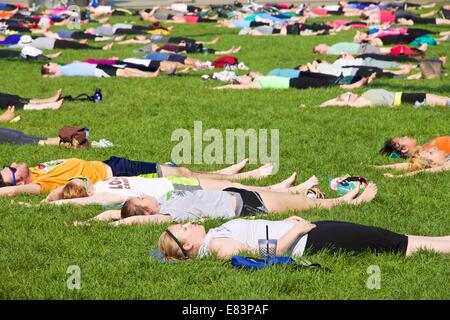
[[152, 67], [17, 137], [78, 35], [364, 71], [67, 44], [409, 16], [180, 39], [9, 54], [7, 100], [307, 82], [350, 237], [387, 57]]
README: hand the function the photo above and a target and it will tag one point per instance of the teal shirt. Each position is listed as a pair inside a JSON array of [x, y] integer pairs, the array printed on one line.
[[342, 47]]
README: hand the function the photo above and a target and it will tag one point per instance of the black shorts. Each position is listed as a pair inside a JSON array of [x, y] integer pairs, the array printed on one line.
[[122, 167], [176, 58], [350, 237], [412, 98], [108, 69], [7, 100], [251, 202]]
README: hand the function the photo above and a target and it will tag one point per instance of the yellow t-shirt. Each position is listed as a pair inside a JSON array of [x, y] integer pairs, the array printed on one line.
[[53, 174]]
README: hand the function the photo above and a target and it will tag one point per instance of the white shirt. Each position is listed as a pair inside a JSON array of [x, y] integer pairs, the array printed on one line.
[[130, 187]]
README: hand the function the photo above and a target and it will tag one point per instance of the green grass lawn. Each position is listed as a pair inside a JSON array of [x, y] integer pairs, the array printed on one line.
[[38, 244]]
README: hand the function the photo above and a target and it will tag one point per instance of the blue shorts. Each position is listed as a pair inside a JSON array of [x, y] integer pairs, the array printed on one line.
[[122, 167]]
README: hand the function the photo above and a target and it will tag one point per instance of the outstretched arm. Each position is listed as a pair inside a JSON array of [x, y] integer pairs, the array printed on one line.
[[31, 188], [445, 167], [396, 166], [239, 86], [151, 219], [56, 194], [98, 198], [225, 248]]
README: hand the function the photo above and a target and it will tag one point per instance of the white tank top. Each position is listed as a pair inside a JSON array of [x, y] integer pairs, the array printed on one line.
[[129, 187], [248, 232]]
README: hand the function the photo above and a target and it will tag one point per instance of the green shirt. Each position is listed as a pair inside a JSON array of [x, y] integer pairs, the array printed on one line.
[[273, 82], [342, 47]]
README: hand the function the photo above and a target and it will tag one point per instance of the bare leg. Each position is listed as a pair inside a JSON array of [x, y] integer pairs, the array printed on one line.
[[135, 73], [44, 106], [439, 245], [282, 202], [435, 100], [262, 172], [48, 100], [235, 168], [50, 141]]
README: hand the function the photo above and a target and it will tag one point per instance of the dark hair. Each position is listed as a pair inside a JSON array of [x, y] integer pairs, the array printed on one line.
[[45, 70], [129, 209], [3, 183], [390, 147]]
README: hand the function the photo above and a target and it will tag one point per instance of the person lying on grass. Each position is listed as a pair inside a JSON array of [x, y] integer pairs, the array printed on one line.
[[405, 147], [295, 237], [192, 48], [47, 43], [11, 102], [17, 137], [84, 69], [19, 178], [364, 48], [229, 203], [429, 159], [256, 80], [157, 15], [381, 97], [180, 41], [117, 190], [395, 36]]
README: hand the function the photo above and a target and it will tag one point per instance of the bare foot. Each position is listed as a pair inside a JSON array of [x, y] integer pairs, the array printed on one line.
[[304, 186], [215, 40], [349, 196], [261, 172], [58, 104], [121, 38], [236, 50], [367, 195], [170, 28], [371, 78], [9, 114], [443, 59], [285, 184], [423, 47], [84, 41], [108, 46], [54, 55], [234, 168]]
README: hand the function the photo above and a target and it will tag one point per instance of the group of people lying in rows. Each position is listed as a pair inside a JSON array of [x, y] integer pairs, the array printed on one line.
[[154, 193]]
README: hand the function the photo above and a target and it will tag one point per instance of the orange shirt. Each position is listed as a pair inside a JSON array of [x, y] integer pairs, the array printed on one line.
[[443, 144], [56, 173]]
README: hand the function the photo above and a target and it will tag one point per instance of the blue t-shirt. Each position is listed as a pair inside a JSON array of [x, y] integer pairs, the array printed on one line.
[[11, 39], [241, 23], [65, 34], [285, 73], [157, 56], [78, 69]]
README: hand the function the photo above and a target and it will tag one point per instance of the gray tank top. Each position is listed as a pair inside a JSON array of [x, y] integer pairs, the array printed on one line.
[[248, 232], [195, 205], [379, 97]]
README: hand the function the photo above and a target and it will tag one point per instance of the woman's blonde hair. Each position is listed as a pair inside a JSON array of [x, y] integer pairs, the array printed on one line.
[[169, 248], [73, 190], [417, 162]]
